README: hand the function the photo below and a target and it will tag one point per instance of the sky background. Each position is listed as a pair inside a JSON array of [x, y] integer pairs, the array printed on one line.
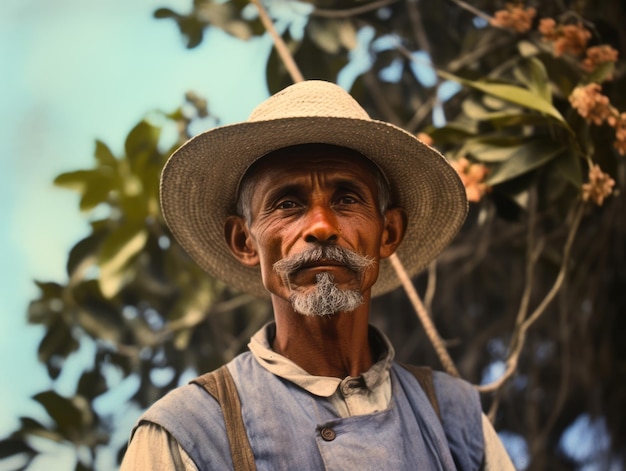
[[73, 72]]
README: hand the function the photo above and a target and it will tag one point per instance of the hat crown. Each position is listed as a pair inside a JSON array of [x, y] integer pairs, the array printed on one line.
[[307, 99]]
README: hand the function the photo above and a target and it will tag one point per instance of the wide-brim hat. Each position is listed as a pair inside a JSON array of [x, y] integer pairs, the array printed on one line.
[[199, 183]]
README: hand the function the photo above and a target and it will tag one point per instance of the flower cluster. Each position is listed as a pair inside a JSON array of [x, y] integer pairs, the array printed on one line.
[[596, 108], [599, 187], [473, 176], [566, 39], [597, 56], [514, 17], [590, 103]]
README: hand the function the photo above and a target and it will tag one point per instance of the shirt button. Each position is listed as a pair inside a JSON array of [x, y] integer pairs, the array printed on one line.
[[328, 434]]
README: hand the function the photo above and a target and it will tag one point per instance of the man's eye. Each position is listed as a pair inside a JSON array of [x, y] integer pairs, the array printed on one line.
[[286, 205], [347, 200]]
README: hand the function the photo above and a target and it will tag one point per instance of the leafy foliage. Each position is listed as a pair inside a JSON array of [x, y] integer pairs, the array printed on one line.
[[534, 283], [152, 314]]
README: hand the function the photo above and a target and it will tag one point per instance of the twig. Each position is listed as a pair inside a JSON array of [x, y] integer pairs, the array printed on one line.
[[431, 287], [520, 338], [424, 318], [532, 255], [352, 11], [415, 17], [279, 44], [471, 9], [561, 396], [379, 98]]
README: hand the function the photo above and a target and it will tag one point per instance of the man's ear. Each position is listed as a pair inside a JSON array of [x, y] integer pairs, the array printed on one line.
[[393, 231], [239, 241]]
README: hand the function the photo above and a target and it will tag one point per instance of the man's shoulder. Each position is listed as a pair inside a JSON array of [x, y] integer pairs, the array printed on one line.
[[455, 388], [195, 419], [179, 405], [461, 416], [445, 385]]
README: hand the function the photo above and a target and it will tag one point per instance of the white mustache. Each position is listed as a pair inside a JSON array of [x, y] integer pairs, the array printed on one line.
[[351, 260]]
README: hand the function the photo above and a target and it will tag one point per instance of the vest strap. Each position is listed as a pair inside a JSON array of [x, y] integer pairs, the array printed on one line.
[[220, 385], [424, 376]]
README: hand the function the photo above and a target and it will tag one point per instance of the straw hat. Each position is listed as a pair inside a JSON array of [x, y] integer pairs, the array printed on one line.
[[200, 180]]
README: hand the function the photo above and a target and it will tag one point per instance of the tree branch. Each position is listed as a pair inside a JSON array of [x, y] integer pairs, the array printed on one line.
[[471, 9], [279, 44], [348, 12], [518, 341], [427, 323]]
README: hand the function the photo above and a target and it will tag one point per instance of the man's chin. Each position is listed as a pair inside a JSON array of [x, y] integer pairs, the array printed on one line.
[[324, 298]]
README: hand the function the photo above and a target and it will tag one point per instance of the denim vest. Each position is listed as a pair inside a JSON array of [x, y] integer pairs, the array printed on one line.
[[289, 428]]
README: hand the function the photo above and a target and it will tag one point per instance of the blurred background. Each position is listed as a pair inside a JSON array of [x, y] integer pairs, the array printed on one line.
[[73, 73], [102, 312]]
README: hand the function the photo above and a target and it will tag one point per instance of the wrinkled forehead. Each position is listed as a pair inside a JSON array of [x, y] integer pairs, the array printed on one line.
[[322, 156]]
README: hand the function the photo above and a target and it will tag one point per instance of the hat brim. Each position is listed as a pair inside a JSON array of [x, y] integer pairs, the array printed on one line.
[[200, 180]]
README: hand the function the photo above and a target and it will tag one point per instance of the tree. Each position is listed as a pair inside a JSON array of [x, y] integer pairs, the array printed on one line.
[[523, 101]]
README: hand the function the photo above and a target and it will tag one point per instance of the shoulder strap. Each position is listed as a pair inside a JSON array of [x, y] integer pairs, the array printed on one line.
[[220, 385], [424, 376]]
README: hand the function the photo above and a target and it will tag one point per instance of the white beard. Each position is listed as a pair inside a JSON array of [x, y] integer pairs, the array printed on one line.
[[326, 298]]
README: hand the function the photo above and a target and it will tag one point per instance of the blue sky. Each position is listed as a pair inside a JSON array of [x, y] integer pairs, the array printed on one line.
[[74, 72]]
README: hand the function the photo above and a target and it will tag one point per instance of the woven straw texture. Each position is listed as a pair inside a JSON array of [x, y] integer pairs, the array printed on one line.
[[200, 180]]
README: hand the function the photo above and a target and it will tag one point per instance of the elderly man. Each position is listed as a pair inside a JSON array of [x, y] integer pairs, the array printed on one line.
[[304, 202]]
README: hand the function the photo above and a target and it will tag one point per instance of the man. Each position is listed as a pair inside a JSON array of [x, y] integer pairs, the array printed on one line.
[[305, 202]]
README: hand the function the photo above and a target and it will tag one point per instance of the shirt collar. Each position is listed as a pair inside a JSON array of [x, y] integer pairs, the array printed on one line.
[[325, 386]]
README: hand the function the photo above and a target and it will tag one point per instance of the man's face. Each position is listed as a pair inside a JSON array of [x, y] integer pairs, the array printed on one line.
[[319, 199]]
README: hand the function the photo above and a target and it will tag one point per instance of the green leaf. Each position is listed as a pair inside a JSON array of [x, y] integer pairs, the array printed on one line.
[[94, 185], [331, 35], [143, 137], [511, 93], [481, 109], [490, 149], [116, 252], [14, 446], [29, 425], [103, 154], [223, 15], [533, 74], [192, 30], [48, 307], [508, 119], [161, 13], [524, 158], [527, 48], [77, 180], [82, 251], [96, 315], [57, 343], [141, 144], [68, 417], [49, 289], [452, 132], [91, 384]]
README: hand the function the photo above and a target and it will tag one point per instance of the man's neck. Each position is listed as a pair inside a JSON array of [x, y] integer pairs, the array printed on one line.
[[335, 346]]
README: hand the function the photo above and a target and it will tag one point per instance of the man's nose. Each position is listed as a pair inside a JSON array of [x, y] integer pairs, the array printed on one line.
[[321, 225]]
